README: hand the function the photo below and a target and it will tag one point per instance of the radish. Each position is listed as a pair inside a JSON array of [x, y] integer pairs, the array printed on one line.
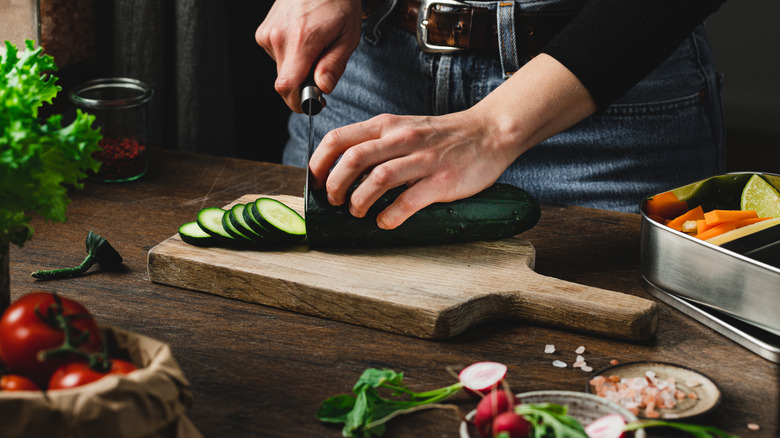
[[496, 402], [482, 377], [511, 425], [608, 426]]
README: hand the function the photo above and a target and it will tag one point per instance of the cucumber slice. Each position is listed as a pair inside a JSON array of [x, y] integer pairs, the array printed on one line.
[[278, 219], [193, 234], [251, 222], [233, 231], [236, 218], [210, 220]]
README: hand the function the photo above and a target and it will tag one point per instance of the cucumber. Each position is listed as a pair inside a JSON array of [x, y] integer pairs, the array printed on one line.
[[497, 212], [210, 220], [280, 222], [235, 232], [193, 234], [236, 217]]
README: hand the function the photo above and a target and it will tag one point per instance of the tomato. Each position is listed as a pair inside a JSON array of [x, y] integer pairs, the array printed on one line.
[[15, 382], [75, 374], [24, 333]]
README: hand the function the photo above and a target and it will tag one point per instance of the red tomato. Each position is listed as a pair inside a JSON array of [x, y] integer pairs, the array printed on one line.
[[15, 382], [24, 333], [75, 374]]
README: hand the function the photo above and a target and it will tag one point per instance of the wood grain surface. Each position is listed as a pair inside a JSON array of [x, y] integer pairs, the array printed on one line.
[[431, 292], [259, 371]]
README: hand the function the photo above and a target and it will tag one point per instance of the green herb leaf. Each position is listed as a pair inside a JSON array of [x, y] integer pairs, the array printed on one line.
[[364, 415], [550, 420], [38, 158]]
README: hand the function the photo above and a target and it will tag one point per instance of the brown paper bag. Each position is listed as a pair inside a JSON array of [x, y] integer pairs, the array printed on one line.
[[149, 402]]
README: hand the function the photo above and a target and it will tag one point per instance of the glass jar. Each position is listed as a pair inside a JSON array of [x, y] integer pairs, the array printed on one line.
[[120, 107]]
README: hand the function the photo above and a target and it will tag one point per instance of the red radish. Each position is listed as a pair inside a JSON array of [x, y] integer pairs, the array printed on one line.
[[608, 426], [482, 377], [496, 402], [511, 425]]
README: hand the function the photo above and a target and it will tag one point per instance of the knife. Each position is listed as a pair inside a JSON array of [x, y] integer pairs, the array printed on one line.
[[311, 105]]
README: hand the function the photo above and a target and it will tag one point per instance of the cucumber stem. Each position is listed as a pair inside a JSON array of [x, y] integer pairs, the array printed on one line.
[[98, 251], [56, 274]]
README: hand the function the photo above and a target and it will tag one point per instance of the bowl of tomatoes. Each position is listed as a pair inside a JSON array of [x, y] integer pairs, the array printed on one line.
[[63, 374]]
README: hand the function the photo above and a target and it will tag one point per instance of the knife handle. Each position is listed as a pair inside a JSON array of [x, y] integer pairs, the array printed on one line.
[[311, 96]]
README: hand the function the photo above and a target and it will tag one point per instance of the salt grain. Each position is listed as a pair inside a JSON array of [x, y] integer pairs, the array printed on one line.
[[549, 348], [692, 383], [559, 364], [580, 350], [753, 426], [586, 368]]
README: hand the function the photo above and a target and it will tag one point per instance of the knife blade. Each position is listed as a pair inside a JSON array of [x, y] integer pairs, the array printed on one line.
[[311, 105]]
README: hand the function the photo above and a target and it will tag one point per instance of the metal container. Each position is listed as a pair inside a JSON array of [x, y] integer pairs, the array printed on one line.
[[729, 282]]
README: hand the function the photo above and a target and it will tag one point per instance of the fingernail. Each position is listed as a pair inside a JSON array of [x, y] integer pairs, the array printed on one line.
[[332, 200]]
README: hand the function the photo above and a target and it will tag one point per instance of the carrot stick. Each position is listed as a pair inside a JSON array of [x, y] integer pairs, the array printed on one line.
[[667, 210], [666, 205], [690, 215], [750, 221], [716, 217], [717, 230], [702, 226]]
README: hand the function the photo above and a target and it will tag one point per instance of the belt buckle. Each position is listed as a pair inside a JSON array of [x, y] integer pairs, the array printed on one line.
[[422, 25]]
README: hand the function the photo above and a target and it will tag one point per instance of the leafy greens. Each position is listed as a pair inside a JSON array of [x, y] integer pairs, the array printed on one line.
[[38, 158]]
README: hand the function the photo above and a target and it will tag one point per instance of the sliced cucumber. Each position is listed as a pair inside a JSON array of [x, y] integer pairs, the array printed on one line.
[[251, 222], [233, 231], [278, 219], [193, 234], [210, 220], [236, 217]]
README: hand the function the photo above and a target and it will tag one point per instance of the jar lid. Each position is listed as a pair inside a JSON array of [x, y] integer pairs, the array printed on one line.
[[111, 93]]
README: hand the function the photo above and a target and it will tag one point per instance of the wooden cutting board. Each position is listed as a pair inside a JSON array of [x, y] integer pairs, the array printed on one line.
[[431, 292]]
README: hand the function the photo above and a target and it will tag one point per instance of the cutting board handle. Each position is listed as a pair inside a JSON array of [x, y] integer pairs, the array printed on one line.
[[559, 303]]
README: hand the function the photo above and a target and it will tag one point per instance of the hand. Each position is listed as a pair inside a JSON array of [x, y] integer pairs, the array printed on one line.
[[449, 157], [440, 159], [299, 33]]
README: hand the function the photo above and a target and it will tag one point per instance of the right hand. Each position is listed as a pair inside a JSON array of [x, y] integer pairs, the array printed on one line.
[[301, 35]]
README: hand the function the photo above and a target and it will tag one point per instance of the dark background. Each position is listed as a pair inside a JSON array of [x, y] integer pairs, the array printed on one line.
[[214, 85]]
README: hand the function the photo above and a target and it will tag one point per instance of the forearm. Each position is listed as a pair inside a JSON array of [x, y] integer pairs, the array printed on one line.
[[540, 100]]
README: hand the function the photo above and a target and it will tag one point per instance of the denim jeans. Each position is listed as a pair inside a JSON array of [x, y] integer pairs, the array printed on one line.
[[667, 131]]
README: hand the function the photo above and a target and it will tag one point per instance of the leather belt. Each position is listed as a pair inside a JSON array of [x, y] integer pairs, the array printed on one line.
[[459, 26]]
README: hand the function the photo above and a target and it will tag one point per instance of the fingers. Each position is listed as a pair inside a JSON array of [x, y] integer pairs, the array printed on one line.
[[301, 35]]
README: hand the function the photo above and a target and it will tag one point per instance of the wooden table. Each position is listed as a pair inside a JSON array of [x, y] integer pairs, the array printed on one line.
[[260, 371]]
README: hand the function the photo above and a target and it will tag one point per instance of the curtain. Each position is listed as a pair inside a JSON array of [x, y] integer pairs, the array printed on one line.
[[213, 85]]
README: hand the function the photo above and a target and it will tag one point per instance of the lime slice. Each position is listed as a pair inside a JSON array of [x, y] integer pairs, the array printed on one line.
[[760, 196]]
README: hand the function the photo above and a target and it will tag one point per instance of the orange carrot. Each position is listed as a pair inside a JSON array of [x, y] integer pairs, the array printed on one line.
[[666, 205], [690, 215], [667, 210], [665, 197], [750, 221], [717, 230], [702, 226], [658, 219], [716, 217]]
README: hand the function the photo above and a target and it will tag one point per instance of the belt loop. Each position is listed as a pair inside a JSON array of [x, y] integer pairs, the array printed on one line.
[[375, 19], [507, 38]]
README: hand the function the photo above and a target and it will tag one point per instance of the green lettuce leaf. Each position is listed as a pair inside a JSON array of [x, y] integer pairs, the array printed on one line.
[[39, 159]]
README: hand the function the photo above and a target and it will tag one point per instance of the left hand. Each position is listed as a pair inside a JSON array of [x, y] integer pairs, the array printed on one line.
[[449, 157], [440, 159]]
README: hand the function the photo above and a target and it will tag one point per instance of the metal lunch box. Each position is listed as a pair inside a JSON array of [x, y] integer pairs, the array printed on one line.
[[705, 280]]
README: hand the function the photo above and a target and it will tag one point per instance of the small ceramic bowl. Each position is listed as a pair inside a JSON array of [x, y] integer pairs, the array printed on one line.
[[701, 394], [583, 407]]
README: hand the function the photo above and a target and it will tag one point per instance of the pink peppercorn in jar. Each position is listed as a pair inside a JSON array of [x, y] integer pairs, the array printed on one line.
[[120, 109]]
